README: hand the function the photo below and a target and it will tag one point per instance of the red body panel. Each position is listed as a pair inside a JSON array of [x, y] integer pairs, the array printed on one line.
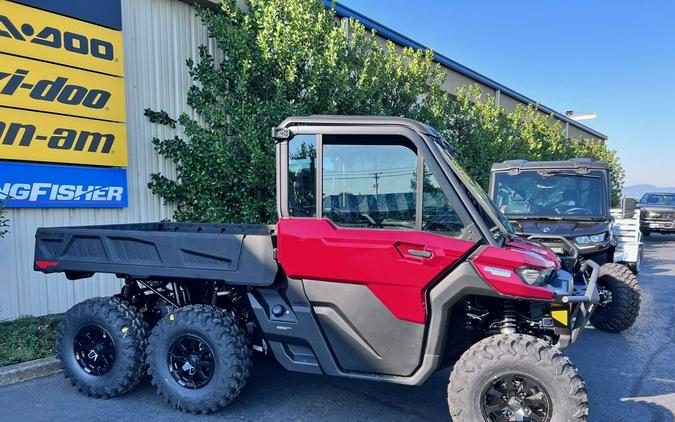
[[317, 249], [497, 265], [536, 247]]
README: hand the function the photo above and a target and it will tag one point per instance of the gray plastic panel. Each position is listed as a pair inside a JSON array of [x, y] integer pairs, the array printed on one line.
[[364, 335], [236, 254]]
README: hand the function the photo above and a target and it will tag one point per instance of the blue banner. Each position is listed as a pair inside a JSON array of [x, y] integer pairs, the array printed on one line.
[[101, 12], [54, 186]]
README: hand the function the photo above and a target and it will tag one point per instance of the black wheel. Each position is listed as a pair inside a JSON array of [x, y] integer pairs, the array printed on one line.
[[511, 377], [619, 299], [646, 233], [198, 358], [101, 345]]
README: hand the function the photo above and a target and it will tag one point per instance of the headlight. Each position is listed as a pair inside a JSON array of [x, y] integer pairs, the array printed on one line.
[[652, 214], [582, 240], [595, 238], [532, 276]]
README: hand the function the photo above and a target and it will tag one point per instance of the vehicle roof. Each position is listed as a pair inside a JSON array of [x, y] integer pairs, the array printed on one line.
[[335, 120], [574, 163]]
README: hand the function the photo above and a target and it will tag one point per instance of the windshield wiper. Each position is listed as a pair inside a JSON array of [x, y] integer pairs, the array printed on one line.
[[549, 173], [533, 217]]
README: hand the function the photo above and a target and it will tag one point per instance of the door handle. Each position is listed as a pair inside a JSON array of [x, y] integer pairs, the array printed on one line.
[[420, 253]]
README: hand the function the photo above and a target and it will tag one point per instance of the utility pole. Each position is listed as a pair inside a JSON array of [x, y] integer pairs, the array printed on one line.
[[377, 177]]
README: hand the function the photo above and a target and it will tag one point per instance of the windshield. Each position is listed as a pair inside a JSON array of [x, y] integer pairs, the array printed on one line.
[[543, 193], [667, 199], [495, 220]]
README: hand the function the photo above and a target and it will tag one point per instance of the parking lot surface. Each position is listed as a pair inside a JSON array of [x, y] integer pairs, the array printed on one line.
[[630, 377]]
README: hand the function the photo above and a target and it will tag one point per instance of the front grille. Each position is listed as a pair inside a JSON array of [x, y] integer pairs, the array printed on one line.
[[658, 215]]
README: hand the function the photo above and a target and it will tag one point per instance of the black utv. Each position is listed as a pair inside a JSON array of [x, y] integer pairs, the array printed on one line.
[[566, 205]]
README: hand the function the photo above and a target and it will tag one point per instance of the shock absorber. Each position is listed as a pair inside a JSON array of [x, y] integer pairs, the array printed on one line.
[[508, 324]]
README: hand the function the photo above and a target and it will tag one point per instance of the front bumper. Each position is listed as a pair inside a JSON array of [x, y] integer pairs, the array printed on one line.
[[657, 226], [569, 251], [575, 301]]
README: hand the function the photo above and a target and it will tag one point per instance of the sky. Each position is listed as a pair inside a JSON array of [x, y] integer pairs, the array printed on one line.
[[615, 58]]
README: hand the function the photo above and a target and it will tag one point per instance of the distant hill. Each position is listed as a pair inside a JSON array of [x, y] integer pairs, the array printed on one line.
[[636, 191]]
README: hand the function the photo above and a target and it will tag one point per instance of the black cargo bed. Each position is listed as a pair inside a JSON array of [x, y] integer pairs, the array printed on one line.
[[234, 253]]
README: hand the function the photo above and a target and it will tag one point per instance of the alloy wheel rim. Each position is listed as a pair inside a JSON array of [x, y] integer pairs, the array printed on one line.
[[515, 398], [605, 304], [94, 349], [191, 361]]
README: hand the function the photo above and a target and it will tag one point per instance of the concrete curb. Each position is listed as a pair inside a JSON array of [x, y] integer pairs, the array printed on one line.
[[27, 371]]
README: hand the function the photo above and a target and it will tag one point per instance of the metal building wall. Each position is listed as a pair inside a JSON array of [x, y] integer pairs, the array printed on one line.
[[158, 36]]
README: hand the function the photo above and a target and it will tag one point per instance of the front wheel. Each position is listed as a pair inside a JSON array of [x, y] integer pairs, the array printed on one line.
[[619, 299], [198, 358], [510, 377]]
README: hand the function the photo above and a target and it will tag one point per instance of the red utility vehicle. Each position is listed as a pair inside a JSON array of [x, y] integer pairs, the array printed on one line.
[[387, 263]]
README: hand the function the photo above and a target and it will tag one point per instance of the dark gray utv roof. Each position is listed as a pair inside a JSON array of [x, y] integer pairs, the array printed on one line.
[[333, 120], [574, 163]]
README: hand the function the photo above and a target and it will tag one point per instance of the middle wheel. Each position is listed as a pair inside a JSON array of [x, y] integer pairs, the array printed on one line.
[[198, 358]]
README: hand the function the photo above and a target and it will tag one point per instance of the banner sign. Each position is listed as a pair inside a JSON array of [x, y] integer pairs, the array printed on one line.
[[25, 185], [30, 32], [106, 13], [33, 136], [34, 85]]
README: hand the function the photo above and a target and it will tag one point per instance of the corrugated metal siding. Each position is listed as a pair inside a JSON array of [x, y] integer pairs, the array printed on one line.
[[158, 36]]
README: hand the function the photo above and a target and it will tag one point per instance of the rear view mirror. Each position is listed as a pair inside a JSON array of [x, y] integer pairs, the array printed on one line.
[[628, 207]]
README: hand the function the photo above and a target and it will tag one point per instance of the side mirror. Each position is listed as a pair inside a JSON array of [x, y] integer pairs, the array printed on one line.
[[628, 207]]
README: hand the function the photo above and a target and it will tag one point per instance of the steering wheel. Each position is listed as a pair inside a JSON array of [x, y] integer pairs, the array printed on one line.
[[578, 210], [372, 223]]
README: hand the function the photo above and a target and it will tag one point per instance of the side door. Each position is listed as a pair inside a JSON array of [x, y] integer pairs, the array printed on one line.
[[368, 229]]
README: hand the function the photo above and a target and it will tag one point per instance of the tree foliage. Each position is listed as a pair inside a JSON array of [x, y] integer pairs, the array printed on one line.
[[280, 58], [486, 133]]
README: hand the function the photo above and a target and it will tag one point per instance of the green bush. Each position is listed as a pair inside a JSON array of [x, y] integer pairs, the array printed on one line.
[[291, 57], [28, 338], [485, 133]]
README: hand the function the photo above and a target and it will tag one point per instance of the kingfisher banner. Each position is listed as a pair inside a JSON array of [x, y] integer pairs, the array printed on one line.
[[24, 185]]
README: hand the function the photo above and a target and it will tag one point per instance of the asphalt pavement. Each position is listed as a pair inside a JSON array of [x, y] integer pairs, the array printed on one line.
[[630, 377]]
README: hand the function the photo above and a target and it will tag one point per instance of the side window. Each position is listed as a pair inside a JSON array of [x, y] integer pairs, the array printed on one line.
[[438, 214], [369, 185], [302, 176]]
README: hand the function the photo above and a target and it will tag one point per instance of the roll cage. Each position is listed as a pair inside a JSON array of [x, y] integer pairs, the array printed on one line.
[[464, 197]]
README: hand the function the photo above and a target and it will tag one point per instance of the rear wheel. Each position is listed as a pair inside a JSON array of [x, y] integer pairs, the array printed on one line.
[[619, 299], [101, 345], [510, 377], [198, 358]]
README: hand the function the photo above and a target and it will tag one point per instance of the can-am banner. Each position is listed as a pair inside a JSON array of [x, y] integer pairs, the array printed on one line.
[[54, 186]]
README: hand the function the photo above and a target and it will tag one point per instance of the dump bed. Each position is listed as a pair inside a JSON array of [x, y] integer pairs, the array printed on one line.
[[240, 254]]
